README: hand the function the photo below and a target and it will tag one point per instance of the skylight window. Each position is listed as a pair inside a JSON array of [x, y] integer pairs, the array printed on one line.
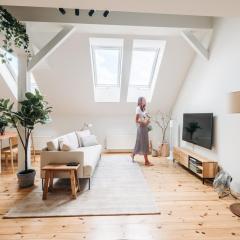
[[106, 56], [11, 63], [106, 66], [145, 64]]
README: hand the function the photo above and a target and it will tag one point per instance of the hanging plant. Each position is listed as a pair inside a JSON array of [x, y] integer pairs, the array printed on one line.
[[14, 33]]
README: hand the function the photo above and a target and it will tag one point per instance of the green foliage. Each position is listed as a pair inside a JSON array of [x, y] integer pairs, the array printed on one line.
[[33, 110], [14, 34], [3, 123]]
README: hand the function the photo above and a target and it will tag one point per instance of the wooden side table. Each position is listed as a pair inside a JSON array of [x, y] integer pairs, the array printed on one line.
[[49, 176]]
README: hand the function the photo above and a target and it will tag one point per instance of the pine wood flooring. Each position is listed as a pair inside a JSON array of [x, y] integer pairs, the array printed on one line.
[[189, 211]]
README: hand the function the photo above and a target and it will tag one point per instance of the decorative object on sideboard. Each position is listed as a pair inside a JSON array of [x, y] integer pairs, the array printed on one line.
[[234, 107], [33, 110], [162, 120], [3, 124]]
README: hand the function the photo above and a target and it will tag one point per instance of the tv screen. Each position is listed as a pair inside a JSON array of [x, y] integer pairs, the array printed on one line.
[[198, 128]]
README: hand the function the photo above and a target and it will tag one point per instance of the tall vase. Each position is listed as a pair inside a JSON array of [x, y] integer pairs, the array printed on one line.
[[164, 150]]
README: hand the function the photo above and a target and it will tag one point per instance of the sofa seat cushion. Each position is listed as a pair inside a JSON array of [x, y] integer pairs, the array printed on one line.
[[91, 158]]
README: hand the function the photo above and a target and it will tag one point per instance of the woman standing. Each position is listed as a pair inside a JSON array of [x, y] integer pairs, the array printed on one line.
[[142, 143]]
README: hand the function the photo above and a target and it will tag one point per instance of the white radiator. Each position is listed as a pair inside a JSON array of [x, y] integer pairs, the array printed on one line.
[[120, 142], [40, 142]]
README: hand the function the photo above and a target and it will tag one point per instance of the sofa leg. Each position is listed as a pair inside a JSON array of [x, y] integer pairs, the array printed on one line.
[[42, 183], [89, 183]]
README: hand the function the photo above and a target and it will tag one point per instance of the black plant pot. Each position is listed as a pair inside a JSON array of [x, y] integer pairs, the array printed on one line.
[[26, 178]]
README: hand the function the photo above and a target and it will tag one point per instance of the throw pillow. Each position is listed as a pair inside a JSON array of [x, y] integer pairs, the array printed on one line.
[[53, 145], [81, 134], [90, 140], [64, 144]]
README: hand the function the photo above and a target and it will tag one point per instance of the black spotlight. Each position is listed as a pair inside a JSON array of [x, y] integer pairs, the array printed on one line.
[[91, 12], [105, 13], [62, 11], [77, 12]]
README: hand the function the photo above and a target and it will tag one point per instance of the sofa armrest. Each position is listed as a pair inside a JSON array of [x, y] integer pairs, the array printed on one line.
[[61, 157]]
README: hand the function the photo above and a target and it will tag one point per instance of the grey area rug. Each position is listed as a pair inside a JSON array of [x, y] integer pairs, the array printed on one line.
[[118, 188]]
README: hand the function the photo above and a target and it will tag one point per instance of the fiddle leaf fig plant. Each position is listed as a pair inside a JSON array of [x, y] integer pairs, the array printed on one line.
[[3, 124], [14, 33], [33, 110]]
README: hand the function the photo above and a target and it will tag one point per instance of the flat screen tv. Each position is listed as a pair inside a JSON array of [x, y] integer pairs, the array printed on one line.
[[198, 129]]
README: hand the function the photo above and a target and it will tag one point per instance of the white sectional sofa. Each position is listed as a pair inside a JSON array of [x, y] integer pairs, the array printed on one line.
[[79, 146]]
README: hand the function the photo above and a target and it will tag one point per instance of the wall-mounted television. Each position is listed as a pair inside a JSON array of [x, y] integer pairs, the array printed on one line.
[[198, 129]]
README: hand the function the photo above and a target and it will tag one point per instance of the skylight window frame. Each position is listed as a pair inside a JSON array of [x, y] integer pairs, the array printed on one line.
[[8, 63], [93, 53], [11, 70], [147, 49]]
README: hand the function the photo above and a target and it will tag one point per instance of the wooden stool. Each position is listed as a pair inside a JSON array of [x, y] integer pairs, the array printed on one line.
[[49, 175]]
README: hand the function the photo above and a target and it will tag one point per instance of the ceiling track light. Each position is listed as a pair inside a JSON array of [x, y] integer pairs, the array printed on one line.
[[77, 12], [62, 11], [91, 12], [105, 13]]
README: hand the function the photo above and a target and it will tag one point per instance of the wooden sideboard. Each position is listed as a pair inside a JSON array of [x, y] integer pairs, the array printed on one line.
[[199, 165]]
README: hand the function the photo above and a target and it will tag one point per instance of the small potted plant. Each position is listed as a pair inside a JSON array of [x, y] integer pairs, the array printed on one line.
[[3, 124], [33, 110]]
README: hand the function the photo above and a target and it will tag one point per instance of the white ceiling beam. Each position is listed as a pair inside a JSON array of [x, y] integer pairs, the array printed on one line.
[[195, 44], [36, 14], [50, 47]]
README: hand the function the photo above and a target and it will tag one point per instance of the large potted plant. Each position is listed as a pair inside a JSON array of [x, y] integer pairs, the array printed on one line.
[[33, 110], [3, 124]]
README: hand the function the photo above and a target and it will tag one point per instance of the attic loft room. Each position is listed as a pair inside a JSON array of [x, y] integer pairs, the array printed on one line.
[[119, 120]]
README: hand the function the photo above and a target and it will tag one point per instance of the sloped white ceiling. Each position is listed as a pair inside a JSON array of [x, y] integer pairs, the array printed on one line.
[[183, 7], [65, 77]]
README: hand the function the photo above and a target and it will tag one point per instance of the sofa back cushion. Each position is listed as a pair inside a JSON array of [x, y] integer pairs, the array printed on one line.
[[90, 140], [81, 134], [70, 139], [53, 145]]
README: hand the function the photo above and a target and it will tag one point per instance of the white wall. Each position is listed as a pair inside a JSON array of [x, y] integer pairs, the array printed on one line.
[[102, 126], [205, 90]]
